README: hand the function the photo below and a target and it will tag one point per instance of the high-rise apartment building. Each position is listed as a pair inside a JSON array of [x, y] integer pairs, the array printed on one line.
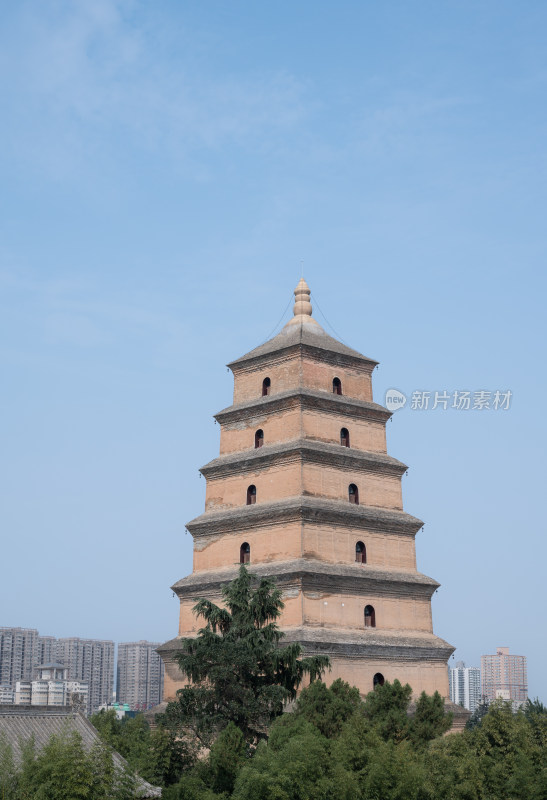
[[504, 677], [17, 654], [91, 661], [465, 685], [139, 675], [45, 652]]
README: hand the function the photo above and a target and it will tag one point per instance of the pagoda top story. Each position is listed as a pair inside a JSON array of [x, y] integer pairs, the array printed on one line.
[[304, 331]]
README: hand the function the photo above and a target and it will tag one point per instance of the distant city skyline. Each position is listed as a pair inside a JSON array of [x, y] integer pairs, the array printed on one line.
[[23, 652]]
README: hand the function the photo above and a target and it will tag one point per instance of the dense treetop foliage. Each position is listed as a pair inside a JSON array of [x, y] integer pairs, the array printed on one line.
[[335, 746], [227, 736], [158, 755], [332, 745]]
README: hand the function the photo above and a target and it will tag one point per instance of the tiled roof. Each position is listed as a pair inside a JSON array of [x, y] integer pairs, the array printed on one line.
[[20, 723], [310, 334]]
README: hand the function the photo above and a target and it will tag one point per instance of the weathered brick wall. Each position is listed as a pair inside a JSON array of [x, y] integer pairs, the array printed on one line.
[[276, 543], [291, 424], [337, 545], [334, 545], [325, 427], [356, 383], [281, 481], [281, 426], [346, 612], [333, 483]]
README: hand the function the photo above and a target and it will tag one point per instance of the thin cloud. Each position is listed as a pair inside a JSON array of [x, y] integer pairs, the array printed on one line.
[[87, 72]]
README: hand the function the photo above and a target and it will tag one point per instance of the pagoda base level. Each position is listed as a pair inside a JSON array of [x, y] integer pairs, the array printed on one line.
[[424, 668]]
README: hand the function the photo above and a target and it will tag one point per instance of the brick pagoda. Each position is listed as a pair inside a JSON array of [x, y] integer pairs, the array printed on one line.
[[304, 491]]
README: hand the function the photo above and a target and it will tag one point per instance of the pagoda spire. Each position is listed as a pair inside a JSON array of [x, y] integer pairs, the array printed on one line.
[[302, 307]]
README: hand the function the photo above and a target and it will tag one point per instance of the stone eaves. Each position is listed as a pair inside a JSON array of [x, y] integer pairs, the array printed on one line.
[[304, 509], [394, 645], [367, 643], [312, 575], [307, 451], [307, 399]]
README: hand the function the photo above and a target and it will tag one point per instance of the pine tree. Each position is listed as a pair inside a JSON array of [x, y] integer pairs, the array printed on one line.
[[237, 667]]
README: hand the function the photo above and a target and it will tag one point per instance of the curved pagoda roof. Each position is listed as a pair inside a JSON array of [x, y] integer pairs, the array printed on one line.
[[302, 329]]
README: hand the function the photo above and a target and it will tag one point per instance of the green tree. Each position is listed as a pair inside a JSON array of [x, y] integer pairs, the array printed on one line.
[[238, 670], [157, 755], [62, 770], [8, 771], [500, 759], [452, 769], [102, 771], [226, 758], [429, 720], [109, 728], [328, 709], [477, 716], [386, 708], [534, 708], [510, 758], [297, 768]]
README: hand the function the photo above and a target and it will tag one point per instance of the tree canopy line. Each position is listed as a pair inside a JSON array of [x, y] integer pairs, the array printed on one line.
[[227, 736]]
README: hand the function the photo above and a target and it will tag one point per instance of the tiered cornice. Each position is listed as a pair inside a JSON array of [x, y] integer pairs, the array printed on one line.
[[308, 450], [306, 400], [314, 575], [337, 513]]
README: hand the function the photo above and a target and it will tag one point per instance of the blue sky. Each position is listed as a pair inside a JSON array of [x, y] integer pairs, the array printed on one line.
[[165, 169]]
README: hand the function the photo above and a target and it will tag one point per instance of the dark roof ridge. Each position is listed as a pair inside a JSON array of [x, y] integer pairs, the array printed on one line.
[[303, 334]]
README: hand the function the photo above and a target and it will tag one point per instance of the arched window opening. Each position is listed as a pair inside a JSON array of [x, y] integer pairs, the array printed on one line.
[[378, 680], [353, 494], [266, 386], [337, 386], [370, 617], [251, 495], [360, 553], [259, 438], [245, 553], [344, 437]]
